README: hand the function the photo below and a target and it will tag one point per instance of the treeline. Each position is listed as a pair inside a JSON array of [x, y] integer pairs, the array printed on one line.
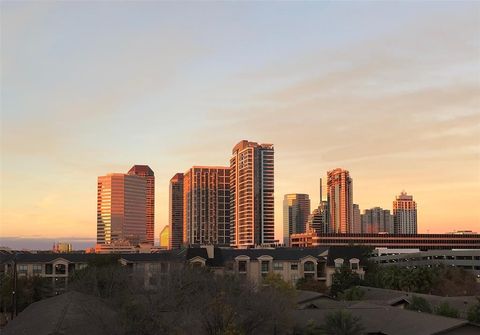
[[188, 301], [438, 280]]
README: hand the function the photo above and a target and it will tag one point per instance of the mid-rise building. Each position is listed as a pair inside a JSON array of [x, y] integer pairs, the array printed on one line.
[[377, 220], [62, 247], [318, 219], [164, 237], [175, 212], [296, 210], [404, 214], [146, 172], [340, 200], [206, 204], [356, 227], [121, 208], [252, 195]]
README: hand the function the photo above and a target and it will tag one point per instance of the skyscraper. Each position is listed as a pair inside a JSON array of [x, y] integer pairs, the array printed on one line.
[[340, 200], [206, 204], [404, 214], [251, 194], [318, 219], [296, 209], [175, 212], [144, 171], [356, 227], [164, 237], [121, 208], [377, 220]]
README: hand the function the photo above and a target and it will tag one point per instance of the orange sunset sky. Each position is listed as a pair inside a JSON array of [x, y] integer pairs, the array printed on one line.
[[389, 91]]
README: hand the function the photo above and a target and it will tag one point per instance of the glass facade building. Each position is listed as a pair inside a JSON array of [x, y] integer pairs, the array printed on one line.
[[175, 212], [121, 208], [146, 172], [296, 210]]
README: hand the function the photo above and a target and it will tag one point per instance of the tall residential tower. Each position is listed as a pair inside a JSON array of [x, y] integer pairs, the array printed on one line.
[[144, 171], [251, 194], [404, 214], [206, 205], [340, 201]]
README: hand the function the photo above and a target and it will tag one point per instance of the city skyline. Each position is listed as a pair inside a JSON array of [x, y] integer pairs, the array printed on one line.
[[381, 90]]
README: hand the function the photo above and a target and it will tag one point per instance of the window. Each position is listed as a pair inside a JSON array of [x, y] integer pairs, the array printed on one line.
[[309, 266], [242, 266], [60, 269], [37, 269], [278, 266], [265, 267], [339, 262], [294, 267], [22, 269], [48, 269], [197, 264]]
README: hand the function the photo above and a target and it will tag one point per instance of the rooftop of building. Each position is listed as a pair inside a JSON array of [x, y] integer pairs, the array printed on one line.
[[143, 170]]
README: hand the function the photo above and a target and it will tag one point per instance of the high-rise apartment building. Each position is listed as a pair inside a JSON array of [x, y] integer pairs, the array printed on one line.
[[206, 205], [144, 171], [175, 212], [356, 227], [404, 214], [340, 200], [377, 220], [164, 237], [296, 209], [121, 208], [251, 194]]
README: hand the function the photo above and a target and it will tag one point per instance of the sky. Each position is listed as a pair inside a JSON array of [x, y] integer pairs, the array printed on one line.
[[387, 90]]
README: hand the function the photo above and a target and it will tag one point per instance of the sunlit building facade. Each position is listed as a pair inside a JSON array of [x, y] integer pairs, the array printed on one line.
[[404, 214], [164, 237], [121, 208], [206, 204], [251, 194], [296, 209], [340, 201], [377, 220], [356, 227], [146, 172], [175, 212]]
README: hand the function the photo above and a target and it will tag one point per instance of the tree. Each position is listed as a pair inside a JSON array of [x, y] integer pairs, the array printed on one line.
[[444, 309], [341, 322], [353, 293], [419, 304], [474, 312], [343, 279], [309, 284]]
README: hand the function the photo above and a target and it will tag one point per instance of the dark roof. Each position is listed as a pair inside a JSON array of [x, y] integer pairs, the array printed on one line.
[[347, 253], [70, 313], [47, 257], [141, 170], [172, 255], [392, 321]]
